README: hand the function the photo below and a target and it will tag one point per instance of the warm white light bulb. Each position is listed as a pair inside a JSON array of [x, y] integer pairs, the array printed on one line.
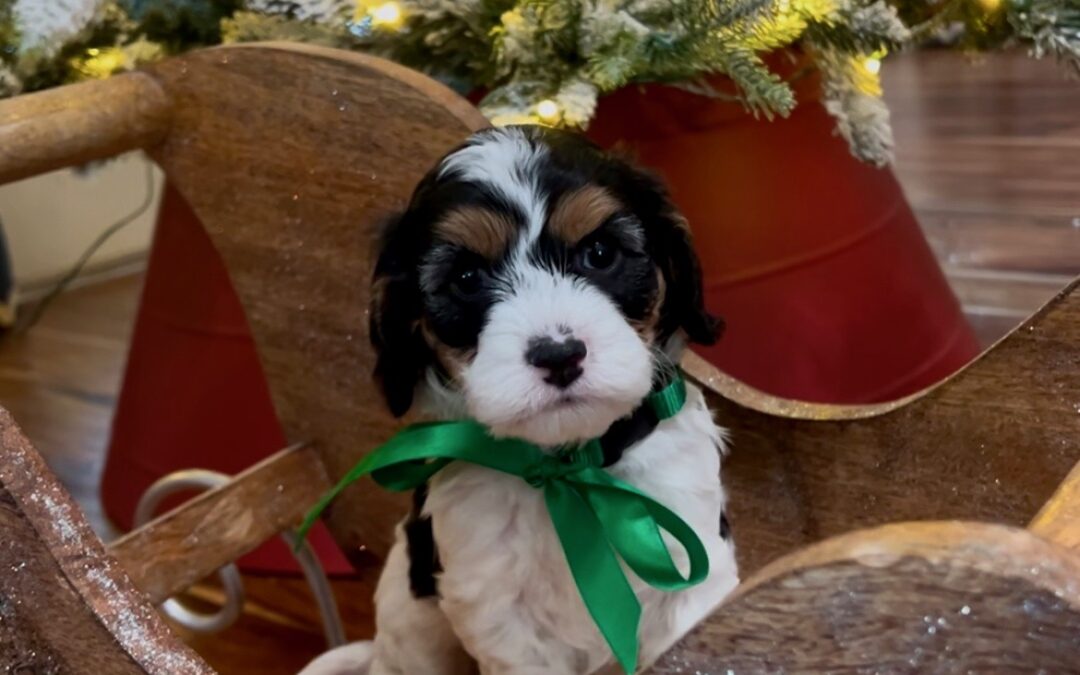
[[388, 14], [547, 110]]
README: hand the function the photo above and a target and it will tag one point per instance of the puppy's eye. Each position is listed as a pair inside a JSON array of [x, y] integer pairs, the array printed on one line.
[[598, 254], [466, 282]]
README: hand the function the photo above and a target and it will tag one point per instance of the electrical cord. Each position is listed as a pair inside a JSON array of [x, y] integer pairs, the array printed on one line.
[[73, 273]]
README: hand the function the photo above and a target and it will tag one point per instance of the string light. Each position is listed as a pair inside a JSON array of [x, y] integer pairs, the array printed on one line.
[[865, 73], [872, 62], [387, 15], [100, 63], [547, 110]]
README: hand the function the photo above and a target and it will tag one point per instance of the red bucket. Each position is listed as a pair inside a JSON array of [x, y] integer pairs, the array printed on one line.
[[814, 259]]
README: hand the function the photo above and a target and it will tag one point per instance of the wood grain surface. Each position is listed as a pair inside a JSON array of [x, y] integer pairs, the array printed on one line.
[[65, 605], [946, 597], [172, 552], [79, 123]]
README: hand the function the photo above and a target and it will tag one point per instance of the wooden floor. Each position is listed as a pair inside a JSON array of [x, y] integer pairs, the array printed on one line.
[[986, 152], [61, 379]]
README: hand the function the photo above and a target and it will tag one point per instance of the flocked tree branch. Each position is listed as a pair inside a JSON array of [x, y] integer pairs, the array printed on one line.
[[551, 60]]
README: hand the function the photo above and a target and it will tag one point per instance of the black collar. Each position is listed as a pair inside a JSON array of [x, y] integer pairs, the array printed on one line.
[[628, 431]]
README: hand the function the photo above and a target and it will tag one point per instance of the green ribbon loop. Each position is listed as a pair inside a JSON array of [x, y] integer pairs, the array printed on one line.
[[598, 518]]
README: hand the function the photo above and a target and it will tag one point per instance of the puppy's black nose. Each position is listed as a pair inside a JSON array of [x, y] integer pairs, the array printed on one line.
[[562, 360]]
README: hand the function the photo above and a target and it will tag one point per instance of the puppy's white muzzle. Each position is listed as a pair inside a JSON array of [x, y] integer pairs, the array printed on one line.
[[556, 363]]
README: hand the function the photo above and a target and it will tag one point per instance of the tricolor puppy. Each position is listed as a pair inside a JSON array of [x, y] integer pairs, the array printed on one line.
[[541, 287]]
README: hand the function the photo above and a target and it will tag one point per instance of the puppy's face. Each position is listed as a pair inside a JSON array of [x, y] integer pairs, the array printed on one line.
[[536, 281]]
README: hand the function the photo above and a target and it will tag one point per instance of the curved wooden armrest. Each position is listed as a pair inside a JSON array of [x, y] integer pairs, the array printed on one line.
[[991, 443], [65, 605], [912, 597], [79, 123]]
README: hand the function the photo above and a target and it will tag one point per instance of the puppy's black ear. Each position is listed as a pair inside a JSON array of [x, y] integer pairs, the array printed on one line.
[[684, 302], [402, 355], [671, 246]]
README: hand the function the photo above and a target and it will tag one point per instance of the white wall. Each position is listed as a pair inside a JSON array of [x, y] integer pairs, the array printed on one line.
[[50, 220]]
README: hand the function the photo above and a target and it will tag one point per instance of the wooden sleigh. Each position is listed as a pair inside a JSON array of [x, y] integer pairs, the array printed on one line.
[[939, 533]]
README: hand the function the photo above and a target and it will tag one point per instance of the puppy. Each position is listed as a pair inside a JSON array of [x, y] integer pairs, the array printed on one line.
[[541, 287]]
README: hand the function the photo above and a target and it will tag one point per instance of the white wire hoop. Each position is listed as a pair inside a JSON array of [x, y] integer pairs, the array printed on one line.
[[231, 581]]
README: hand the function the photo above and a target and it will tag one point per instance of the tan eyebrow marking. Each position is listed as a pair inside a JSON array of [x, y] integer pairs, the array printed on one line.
[[580, 212], [484, 232]]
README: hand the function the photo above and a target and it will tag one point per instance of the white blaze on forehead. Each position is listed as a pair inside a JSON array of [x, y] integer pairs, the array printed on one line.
[[505, 161]]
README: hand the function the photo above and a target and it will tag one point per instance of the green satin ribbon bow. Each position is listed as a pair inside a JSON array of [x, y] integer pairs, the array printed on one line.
[[598, 519]]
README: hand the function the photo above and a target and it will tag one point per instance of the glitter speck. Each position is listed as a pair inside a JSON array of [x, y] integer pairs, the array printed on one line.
[[965, 610], [334, 92], [341, 108], [1076, 220], [931, 630], [295, 197]]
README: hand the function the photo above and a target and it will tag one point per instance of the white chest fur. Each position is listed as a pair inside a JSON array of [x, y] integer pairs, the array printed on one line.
[[506, 588]]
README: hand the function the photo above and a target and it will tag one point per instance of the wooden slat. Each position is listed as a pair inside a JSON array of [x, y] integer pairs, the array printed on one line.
[[949, 597], [1059, 518], [992, 443], [193, 540], [80, 123], [65, 605]]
